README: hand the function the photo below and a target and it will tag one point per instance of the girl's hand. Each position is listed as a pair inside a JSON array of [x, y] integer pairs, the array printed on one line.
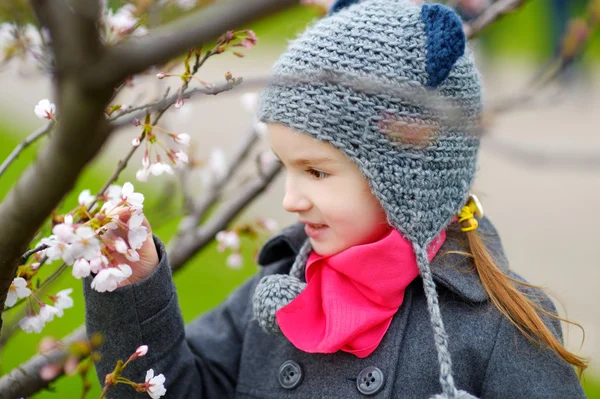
[[148, 255]]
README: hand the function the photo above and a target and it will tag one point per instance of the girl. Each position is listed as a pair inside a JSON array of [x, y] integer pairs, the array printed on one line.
[[389, 286]]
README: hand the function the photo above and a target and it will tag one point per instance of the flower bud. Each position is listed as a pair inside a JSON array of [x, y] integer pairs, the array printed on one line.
[[161, 75]]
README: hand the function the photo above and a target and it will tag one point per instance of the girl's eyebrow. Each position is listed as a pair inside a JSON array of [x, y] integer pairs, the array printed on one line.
[[309, 161]]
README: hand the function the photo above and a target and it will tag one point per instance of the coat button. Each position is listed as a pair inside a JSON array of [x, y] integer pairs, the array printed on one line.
[[290, 374], [370, 381]]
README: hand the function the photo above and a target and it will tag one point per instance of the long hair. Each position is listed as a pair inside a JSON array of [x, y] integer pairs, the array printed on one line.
[[517, 307]]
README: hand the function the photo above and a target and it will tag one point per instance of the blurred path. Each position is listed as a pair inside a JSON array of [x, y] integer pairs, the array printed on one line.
[[547, 214]]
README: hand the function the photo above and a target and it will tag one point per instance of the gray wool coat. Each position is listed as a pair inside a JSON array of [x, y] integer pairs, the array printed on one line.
[[225, 354]]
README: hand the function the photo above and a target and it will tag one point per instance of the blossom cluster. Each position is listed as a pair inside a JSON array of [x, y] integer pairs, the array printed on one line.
[[229, 240], [158, 141], [26, 43], [100, 236], [153, 385], [119, 24]]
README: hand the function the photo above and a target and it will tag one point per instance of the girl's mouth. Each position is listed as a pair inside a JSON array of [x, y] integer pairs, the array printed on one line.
[[315, 231]]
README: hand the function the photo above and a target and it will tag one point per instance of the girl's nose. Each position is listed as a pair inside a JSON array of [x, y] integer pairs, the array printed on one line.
[[294, 201]]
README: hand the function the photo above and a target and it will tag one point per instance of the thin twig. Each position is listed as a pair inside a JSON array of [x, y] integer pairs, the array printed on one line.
[[24, 144], [155, 106], [494, 12], [27, 254]]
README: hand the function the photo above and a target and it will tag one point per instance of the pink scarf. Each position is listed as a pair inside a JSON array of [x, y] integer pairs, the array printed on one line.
[[351, 297]]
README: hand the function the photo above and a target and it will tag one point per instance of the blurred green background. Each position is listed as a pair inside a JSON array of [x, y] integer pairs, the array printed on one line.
[[206, 280]]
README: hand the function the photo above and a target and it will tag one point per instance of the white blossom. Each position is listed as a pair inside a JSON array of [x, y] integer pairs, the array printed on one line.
[[31, 324], [142, 174], [47, 313], [159, 168], [81, 268], [141, 350], [98, 264], [270, 224], [182, 138], [120, 245], [132, 255], [113, 192], [108, 279], [156, 387], [137, 233], [17, 289], [228, 240], [131, 198], [85, 244], [235, 260], [86, 198], [180, 158], [63, 300], [45, 109], [122, 21]]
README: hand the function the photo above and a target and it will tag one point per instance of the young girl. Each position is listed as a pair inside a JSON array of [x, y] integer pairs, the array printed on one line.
[[389, 286]]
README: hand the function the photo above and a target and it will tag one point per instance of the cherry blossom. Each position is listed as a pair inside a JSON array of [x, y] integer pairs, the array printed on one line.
[[63, 301], [45, 109], [86, 198], [17, 289], [141, 350], [216, 167], [98, 264], [235, 260], [228, 240], [108, 279], [81, 268], [86, 244], [269, 224], [31, 324], [137, 233], [131, 198], [47, 312], [159, 168], [182, 138], [155, 384]]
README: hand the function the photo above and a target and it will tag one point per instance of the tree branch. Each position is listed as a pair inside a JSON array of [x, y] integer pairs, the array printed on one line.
[[159, 46], [25, 380], [24, 144], [491, 14], [183, 247]]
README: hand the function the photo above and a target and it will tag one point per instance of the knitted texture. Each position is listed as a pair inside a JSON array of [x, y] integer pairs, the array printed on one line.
[[391, 85]]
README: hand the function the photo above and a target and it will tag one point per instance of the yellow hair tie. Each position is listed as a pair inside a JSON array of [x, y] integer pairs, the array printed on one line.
[[468, 212]]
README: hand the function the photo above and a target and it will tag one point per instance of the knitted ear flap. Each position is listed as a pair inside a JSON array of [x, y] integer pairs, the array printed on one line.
[[445, 41], [340, 4]]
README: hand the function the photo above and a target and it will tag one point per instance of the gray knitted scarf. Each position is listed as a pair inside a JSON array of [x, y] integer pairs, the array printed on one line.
[[393, 86]]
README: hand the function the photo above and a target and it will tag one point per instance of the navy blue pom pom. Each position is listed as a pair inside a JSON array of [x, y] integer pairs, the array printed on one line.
[[339, 4], [445, 41]]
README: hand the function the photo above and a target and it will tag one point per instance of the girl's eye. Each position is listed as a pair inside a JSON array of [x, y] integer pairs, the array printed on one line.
[[317, 174]]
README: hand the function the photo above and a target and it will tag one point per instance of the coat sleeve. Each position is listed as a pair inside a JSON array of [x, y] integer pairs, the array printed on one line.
[[198, 361], [519, 368]]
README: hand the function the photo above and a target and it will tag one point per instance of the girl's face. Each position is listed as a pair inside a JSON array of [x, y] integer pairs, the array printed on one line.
[[327, 191]]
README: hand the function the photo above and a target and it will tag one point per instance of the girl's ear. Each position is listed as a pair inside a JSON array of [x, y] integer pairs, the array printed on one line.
[[445, 41], [340, 4]]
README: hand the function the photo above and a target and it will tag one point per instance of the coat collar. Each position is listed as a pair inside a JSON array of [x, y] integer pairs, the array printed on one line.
[[451, 270]]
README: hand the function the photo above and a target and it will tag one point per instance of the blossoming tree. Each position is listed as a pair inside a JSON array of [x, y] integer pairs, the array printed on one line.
[[90, 52]]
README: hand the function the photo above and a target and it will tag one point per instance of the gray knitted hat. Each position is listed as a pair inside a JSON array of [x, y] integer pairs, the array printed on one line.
[[392, 85]]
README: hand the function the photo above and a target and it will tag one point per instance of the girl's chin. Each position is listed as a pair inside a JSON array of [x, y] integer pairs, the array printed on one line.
[[324, 249]]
